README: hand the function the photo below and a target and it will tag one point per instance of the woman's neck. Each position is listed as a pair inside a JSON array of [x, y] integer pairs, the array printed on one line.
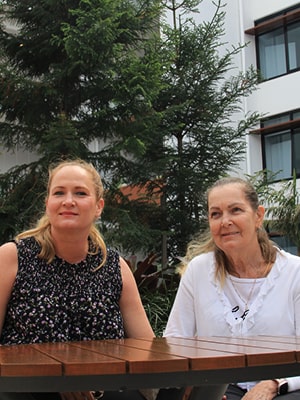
[[254, 267], [70, 249]]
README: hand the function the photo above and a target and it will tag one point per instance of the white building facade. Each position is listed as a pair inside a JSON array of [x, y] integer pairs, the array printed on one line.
[[271, 30]]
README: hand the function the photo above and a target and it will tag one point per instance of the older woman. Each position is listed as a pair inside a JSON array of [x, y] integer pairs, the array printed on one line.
[[236, 283]]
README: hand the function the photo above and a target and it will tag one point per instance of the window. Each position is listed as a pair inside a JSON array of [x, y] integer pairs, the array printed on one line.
[[284, 242], [293, 49], [278, 44], [271, 54], [278, 154], [281, 144], [296, 151]]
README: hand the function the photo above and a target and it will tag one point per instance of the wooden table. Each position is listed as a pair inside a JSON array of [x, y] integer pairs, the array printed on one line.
[[208, 363]]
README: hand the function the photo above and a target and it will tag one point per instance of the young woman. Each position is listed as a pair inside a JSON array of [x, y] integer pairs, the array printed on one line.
[[59, 282]]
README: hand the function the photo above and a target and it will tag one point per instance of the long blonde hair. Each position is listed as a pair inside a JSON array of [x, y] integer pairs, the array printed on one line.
[[205, 243], [42, 232]]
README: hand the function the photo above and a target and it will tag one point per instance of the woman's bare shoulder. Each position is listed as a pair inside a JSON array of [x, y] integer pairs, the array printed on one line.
[[8, 247], [8, 254]]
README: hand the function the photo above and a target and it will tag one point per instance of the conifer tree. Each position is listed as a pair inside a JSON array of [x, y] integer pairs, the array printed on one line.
[[71, 71], [192, 135], [161, 106]]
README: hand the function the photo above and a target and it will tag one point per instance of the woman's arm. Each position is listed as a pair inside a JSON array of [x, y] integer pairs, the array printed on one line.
[[8, 272], [136, 323]]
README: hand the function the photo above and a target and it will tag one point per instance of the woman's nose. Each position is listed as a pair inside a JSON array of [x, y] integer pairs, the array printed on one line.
[[226, 221], [69, 200]]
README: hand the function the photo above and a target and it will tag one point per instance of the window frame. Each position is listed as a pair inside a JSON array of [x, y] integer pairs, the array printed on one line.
[[292, 124], [284, 20]]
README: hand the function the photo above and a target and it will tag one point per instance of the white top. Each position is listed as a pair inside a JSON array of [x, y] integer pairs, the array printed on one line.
[[203, 308]]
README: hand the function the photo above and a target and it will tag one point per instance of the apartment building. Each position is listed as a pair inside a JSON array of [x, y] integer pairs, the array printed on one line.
[[272, 31]]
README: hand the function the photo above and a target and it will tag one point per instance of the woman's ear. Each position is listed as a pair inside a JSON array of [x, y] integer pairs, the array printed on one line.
[[99, 208], [260, 215]]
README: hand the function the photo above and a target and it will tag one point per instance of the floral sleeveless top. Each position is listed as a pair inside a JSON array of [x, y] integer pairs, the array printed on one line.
[[60, 302]]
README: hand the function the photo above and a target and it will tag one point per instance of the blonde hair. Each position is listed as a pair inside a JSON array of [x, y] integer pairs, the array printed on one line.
[[41, 232], [205, 243]]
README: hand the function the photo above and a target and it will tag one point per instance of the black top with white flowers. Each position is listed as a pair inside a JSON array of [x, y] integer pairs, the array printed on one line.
[[60, 301]]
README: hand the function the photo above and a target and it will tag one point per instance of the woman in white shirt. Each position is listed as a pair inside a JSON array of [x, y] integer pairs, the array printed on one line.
[[237, 283]]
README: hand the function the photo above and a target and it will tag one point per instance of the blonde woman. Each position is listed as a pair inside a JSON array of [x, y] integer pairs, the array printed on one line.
[[59, 282]]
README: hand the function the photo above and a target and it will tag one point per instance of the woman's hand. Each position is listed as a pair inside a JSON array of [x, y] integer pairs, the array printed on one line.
[[264, 390]]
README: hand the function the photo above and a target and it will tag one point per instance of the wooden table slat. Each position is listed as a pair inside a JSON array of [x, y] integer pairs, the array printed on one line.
[[288, 342], [291, 341], [259, 352], [77, 360], [199, 358], [256, 351], [138, 360], [23, 360]]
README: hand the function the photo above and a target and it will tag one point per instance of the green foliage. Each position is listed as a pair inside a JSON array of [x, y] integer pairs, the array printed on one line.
[[160, 107], [141, 229], [194, 139], [158, 289], [282, 204], [60, 78], [158, 307], [188, 132], [21, 198]]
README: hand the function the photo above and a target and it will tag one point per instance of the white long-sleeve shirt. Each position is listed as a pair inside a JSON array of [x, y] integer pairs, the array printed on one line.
[[203, 308]]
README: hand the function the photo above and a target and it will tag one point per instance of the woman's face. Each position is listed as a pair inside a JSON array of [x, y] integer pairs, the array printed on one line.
[[71, 202], [233, 222]]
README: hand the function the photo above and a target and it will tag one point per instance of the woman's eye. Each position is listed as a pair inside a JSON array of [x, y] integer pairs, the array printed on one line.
[[58, 193], [81, 193], [214, 214]]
